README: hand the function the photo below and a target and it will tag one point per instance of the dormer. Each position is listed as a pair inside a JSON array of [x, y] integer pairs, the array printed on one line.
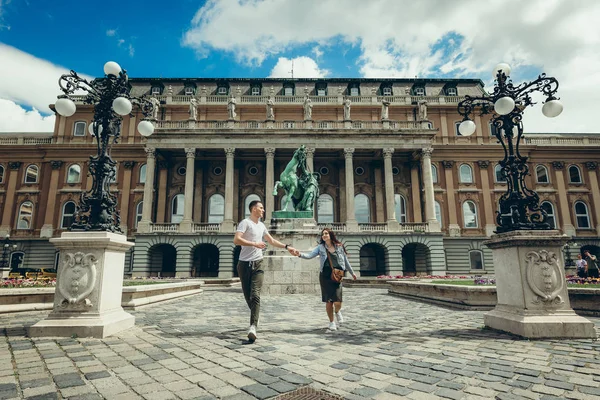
[[450, 89], [222, 88], [386, 89], [289, 88], [418, 89], [321, 89], [157, 89], [189, 89], [255, 89], [354, 89]]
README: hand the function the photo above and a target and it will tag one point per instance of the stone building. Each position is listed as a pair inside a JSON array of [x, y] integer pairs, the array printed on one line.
[[405, 192]]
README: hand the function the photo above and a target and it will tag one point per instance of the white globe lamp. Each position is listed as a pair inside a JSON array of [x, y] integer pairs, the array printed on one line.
[[112, 68], [466, 128], [91, 128], [503, 67], [552, 108], [504, 105], [65, 107], [121, 105], [146, 128]]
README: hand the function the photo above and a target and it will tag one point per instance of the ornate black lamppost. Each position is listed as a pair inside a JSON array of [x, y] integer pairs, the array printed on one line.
[[111, 99], [7, 247], [519, 206]]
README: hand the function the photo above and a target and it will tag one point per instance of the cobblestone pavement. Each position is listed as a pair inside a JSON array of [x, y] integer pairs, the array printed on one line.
[[388, 348]]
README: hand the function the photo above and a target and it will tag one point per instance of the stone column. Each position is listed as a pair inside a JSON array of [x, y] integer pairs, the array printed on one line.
[[227, 224], [161, 198], [490, 225], [351, 224], [185, 226], [592, 167], [389, 189], [125, 194], [444, 127], [269, 183], [48, 227], [453, 227], [131, 131], [9, 198], [565, 211], [310, 155], [415, 187], [433, 223], [144, 224]]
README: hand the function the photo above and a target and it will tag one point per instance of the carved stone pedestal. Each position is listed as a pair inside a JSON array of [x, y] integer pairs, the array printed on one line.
[[533, 301], [89, 287]]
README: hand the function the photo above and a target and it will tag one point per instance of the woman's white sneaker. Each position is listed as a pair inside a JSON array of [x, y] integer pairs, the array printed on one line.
[[339, 318], [252, 333], [332, 326]]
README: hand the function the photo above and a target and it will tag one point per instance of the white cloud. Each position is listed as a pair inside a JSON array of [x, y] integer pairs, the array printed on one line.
[[400, 38], [16, 119], [121, 42], [111, 32], [304, 67]]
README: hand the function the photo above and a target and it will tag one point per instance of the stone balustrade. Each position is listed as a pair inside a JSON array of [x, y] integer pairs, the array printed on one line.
[[284, 125]]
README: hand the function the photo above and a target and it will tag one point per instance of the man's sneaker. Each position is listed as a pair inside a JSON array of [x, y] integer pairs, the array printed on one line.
[[339, 318], [252, 333], [332, 326]]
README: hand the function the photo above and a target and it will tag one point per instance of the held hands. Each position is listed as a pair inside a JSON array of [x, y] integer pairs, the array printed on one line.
[[293, 251], [354, 276]]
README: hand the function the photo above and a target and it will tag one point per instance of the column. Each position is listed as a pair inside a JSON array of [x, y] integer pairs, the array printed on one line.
[[565, 212], [310, 156], [444, 127], [434, 226], [269, 183], [144, 224], [227, 224], [415, 187], [592, 167], [125, 194], [390, 208], [131, 131], [379, 192], [488, 204], [161, 198], [9, 198], [453, 227], [48, 227], [351, 224], [185, 225]]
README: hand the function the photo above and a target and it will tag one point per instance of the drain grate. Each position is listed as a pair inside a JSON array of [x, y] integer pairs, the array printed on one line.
[[307, 393]]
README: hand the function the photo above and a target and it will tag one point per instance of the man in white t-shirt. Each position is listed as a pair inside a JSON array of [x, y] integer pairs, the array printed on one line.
[[249, 235]]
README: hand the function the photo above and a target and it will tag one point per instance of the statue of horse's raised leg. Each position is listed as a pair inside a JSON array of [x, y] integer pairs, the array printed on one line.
[[276, 188]]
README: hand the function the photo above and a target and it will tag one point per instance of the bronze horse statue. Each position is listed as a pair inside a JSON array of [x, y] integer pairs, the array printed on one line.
[[288, 180]]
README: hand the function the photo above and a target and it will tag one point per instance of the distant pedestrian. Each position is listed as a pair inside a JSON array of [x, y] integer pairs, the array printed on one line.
[[582, 267], [592, 264]]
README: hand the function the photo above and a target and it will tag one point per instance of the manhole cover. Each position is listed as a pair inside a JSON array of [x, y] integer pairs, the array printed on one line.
[[307, 393]]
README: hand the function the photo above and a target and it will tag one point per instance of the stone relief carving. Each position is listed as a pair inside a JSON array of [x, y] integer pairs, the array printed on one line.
[[56, 164], [591, 165], [544, 277], [447, 164], [483, 164], [558, 164], [78, 279]]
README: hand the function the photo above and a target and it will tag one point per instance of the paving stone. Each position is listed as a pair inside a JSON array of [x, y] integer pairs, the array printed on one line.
[[260, 391], [449, 393]]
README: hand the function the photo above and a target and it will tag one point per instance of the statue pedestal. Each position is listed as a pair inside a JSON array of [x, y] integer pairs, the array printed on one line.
[[89, 287], [533, 301], [284, 273]]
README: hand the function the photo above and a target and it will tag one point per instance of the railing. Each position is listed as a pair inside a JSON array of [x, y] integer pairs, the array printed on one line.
[[8, 140], [373, 227], [164, 228], [414, 227], [25, 140], [46, 140], [211, 227], [216, 99], [334, 226], [560, 141]]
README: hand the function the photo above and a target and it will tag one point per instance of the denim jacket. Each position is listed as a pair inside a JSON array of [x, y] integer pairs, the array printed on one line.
[[321, 251]]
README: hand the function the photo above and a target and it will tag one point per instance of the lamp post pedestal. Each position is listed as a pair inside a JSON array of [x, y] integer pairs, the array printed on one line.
[[89, 287], [533, 300]]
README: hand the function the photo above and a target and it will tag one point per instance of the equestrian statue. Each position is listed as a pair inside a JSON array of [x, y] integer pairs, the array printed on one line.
[[302, 190]]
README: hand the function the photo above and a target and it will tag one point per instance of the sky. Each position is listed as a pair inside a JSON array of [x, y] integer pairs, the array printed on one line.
[[40, 40]]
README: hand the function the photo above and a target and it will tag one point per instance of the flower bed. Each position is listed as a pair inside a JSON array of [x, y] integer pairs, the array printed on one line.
[[26, 283]]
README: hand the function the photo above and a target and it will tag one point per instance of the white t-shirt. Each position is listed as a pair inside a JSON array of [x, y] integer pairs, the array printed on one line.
[[253, 233]]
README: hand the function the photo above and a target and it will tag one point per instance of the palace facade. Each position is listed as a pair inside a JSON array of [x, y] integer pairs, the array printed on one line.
[[404, 191]]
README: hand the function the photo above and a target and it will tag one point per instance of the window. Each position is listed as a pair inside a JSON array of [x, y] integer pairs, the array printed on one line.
[[288, 89], [177, 206], [434, 175], [354, 90], [581, 215], [74, 174], [216, 208], [188, 91], [419, 91], [456, 130], [16, 259], [31, 174], [79, 128], [549, 208], [493, 129], [451, 91], [321, 89], [250, 198], [466, 173], [138, 212], [290, 206], [470, 214], [438, 212], [400, 208], [255, 91], [156, 90], [386, 91], [362, 211], [143, 173], [1, 174], [476, 259], [68, 214], [325, 209], [499, 174], [574, 174], [25, 215], [541, 173], [222, 90]]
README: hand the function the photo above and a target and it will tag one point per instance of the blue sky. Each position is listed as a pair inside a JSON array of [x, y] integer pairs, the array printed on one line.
[[39, 40]]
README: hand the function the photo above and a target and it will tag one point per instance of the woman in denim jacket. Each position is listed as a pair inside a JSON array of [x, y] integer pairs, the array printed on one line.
[[331, 291]]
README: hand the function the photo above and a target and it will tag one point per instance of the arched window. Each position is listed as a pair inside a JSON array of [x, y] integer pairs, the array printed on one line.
[[79, 128], [138, 212], [541, 173], [466, 173], [216, 208], [476, 259], [549, 208], [31, 174], [493, 129], [400, 207], [290, 206], [325, 209], [74, 174], [143, 173], [581, 215], [574, 174], [499, 174], [470, 214], [25, 215], [68, 213], [177, 206], [362, 210], [1, 174], [250, 198], [438, 213], [434, 176], [16, 260]]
